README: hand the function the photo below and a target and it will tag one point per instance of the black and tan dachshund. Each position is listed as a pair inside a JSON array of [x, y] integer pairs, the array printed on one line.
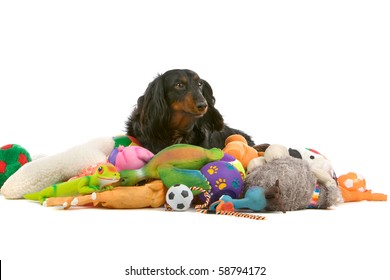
[[178, 107]]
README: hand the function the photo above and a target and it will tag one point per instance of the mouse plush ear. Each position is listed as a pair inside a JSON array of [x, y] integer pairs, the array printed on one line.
[[213, 119]]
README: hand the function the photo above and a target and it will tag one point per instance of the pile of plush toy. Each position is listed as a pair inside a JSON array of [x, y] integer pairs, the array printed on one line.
[[117, 173]]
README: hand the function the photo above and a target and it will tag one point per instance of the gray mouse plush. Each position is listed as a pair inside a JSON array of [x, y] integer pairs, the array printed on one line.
[[290, 183]]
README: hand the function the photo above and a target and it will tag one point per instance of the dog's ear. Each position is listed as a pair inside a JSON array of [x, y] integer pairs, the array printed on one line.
[[213, 119], [154, 111]]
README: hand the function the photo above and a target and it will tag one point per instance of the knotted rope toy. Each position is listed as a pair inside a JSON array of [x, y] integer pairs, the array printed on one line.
[[222, 208]]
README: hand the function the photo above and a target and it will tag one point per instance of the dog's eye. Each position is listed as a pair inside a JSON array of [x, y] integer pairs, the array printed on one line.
[[179, 85], [200, 84]]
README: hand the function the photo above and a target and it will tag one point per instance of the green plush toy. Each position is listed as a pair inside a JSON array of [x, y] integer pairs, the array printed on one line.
[[12, 157], [179, 163], [105, 175]]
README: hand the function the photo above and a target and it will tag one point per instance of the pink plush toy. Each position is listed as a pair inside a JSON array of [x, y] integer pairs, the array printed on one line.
[[129, 158]]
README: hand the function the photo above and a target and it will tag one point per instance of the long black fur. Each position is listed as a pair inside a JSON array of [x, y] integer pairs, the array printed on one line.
[[151, 120]]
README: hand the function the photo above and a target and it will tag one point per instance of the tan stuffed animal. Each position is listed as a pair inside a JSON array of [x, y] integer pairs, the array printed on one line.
[[150, 195]]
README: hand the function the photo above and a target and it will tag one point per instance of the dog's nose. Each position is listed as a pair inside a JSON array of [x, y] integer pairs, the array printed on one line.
[[202, 106]]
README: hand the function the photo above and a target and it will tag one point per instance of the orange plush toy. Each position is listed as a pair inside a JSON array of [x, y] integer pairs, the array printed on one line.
[[152, 194], [353, 188], [237, 146]]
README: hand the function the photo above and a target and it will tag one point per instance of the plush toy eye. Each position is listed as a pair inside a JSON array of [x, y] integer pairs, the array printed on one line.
[[312, 157], [100, 169]]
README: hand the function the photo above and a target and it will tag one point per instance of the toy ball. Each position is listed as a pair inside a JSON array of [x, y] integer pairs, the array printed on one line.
[[129, 158], [12, 157], [236, 163], [352, 181], [224, 178], [179, 197]]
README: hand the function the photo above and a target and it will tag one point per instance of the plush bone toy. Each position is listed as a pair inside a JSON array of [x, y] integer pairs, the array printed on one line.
[[38, 174]]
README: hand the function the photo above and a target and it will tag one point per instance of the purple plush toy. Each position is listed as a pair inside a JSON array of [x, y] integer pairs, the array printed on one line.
[[224, 178]]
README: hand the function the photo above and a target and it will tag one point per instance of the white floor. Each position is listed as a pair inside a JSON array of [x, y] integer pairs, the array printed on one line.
[[348, 242], [298, 73]]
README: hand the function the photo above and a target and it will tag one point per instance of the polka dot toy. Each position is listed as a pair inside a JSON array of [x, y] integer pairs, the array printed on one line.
[[12, 157]]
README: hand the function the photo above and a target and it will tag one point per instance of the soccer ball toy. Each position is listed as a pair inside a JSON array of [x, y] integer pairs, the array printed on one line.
[[179, 197]]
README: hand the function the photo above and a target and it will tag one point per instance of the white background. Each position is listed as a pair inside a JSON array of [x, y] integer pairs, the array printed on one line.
[[298, 73]]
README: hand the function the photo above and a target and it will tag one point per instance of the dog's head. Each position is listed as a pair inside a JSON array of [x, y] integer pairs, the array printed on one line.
[[178, 100], [183, 91]]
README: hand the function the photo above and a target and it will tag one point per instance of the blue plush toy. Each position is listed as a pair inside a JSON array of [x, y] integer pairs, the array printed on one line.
[[254, 199]]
